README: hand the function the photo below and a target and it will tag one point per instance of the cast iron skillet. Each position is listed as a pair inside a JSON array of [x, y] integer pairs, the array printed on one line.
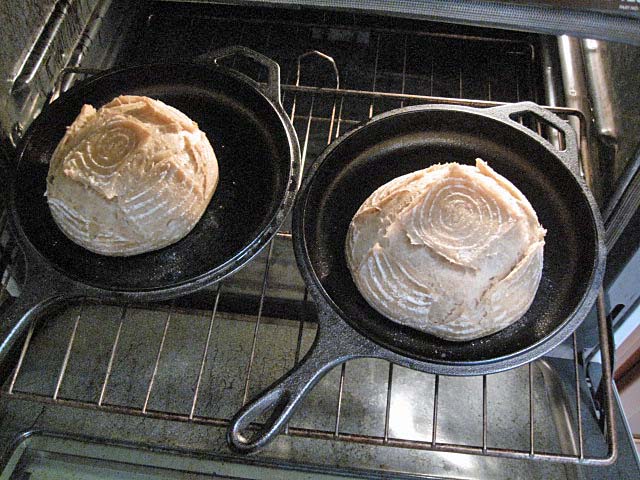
[[260, 170], [400, 142]]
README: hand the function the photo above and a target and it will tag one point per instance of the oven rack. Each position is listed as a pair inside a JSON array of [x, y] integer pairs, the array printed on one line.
[[322, 110]]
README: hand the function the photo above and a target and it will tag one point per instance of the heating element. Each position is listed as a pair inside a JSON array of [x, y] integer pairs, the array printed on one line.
[[200, 358]]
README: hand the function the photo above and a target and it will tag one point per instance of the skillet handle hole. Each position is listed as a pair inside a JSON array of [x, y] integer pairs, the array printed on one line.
[[259, 421], [542, 127], [251, 64]]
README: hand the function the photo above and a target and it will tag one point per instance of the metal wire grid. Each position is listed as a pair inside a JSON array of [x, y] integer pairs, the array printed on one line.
[[331, 98]]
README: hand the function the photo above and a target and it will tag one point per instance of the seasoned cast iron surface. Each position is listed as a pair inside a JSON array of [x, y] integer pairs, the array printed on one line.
[[252, 151], [404, 143]]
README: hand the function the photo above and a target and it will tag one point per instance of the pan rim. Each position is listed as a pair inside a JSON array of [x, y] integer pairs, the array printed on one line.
[[239, 259], [472, 367]]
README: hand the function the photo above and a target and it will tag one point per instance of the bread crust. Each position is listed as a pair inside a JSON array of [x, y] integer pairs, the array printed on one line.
[[132, 177], [452, 250]]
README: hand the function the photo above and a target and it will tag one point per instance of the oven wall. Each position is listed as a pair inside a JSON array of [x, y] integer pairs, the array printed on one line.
[[22, 24], [622, 69]]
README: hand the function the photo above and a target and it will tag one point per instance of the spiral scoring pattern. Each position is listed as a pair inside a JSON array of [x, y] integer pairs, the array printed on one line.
[[452, 250], [99, 156], [132, 177], [458, 217]]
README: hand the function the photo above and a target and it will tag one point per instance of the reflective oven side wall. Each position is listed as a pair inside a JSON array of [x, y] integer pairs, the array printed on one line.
[[38, 38], [19, 25]]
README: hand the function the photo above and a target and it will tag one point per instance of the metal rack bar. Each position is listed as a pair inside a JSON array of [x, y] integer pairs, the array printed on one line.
[[333, 116], [607, 374], [67, 354], [434, 423], [375, 74], [155, 367], [307, 132], [374, 94], [531, 414], [323, 56], [23, 352], [296, 358], [265, 281], [419, 98], [325, 435], [114, 348], [343, 370], [339, 117], [388, 405], [205, 351]]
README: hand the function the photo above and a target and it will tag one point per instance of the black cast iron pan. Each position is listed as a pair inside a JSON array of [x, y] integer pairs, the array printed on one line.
[[400, 142], [260, 170]]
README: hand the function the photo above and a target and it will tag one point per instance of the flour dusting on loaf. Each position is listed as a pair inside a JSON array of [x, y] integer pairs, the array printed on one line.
[[132, 177], [453, 250]]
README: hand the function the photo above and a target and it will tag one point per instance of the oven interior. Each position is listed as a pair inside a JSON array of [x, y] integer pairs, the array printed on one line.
[[149, 389]]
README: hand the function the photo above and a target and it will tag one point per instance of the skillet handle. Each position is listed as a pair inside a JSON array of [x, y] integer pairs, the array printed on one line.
[[39, 292], [273, 82], [17, 319], [570, 155], [284, 396]]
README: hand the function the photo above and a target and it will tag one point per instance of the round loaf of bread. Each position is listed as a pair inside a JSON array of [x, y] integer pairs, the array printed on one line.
[[453, 250], [134, 176]]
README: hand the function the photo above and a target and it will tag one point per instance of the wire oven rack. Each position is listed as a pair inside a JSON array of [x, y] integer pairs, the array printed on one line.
[[322, 106]]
